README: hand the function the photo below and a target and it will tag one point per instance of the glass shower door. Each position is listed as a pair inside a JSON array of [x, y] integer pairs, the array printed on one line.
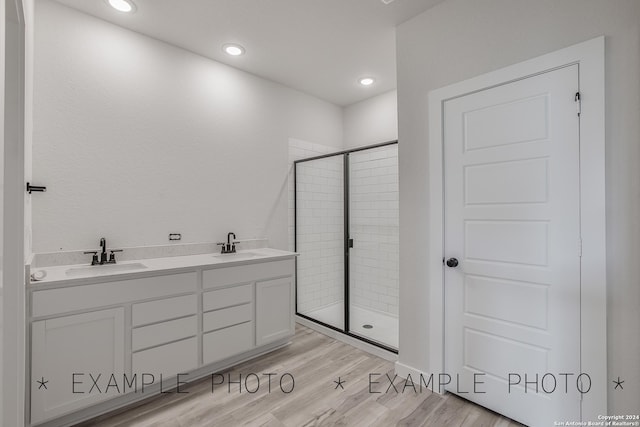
[[319, 201], [373, 257]]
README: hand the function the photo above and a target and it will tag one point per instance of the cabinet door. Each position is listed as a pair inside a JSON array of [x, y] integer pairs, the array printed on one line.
[[274, 310], [67, 354]]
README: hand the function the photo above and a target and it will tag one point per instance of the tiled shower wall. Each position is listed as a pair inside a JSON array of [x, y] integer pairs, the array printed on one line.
[[374, 226], [299, 149], [320, 226]]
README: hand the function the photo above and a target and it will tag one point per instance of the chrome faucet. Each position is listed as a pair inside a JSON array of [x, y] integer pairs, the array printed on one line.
[[229, 247], [103, 254]]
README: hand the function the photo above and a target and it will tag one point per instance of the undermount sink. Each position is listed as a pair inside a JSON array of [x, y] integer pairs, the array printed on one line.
[[98, 270], [236, 256]]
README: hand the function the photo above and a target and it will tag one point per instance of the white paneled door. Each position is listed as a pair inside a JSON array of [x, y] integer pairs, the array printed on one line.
[[512, 226]]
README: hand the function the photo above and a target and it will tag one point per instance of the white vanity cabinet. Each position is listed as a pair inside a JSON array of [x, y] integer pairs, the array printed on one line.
[[195, 322], [66, 353], [237, 300], [274, 319], [85, 330]]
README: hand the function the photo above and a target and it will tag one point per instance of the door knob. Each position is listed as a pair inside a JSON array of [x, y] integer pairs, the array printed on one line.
[[452, 262]]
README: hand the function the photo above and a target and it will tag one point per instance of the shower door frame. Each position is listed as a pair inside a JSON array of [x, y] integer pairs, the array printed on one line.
[[346, 238]]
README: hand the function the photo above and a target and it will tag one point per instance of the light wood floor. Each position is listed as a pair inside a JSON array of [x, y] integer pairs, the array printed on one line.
[[315, 361]]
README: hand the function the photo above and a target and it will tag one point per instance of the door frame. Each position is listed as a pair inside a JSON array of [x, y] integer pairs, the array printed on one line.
[[589, 56], [13, 238]]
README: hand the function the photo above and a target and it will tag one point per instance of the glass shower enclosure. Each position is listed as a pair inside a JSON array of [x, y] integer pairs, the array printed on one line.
[[346, 232]]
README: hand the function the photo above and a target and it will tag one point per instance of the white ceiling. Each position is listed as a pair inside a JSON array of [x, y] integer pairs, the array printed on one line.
[[320, 47]]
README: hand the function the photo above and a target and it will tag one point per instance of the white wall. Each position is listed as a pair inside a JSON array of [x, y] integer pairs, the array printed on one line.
[[135, 139], [459, 39], [371, 121]]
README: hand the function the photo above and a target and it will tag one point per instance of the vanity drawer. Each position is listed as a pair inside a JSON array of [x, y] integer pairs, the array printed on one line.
[[226, 317], [246, 273], [227, 297], [164, 309], [161, 333], [83, 297], [227, 342], [169, 360]]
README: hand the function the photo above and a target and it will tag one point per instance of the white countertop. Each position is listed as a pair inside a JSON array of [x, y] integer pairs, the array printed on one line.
[[86, 274]]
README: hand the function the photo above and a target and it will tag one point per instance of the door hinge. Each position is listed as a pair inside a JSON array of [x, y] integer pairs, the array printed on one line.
[[580, 247], [578, 101]]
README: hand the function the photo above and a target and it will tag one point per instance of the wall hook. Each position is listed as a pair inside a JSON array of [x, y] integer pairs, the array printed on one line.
[[31, 188]]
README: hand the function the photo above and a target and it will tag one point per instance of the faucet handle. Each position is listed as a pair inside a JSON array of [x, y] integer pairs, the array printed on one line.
[[112, 255], [94, 258]]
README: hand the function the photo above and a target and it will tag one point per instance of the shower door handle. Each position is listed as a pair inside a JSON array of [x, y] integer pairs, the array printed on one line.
[[350, 243]]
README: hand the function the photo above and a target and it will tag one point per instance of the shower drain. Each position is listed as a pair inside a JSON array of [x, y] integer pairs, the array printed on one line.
[[367, 326]]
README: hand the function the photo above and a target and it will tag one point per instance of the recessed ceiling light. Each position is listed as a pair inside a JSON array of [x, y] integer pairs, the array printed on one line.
[[233, 49], [366, 81], [126, 6]]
